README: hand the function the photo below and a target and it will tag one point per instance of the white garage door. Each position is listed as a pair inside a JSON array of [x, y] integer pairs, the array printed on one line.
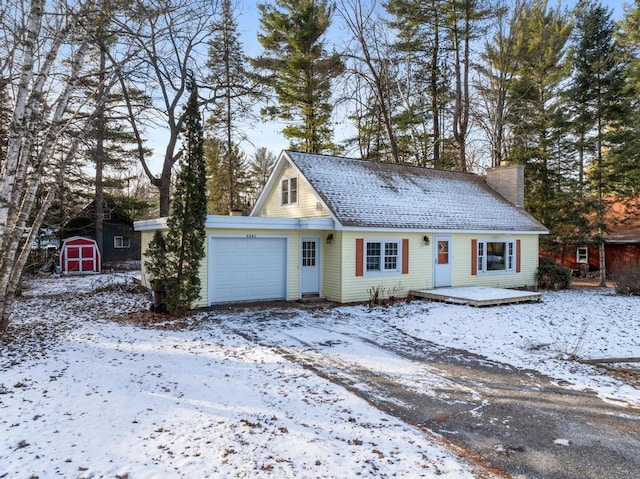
[[247, 269]]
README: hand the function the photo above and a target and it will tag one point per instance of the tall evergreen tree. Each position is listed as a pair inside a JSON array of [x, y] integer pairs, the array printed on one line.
[[111, 147], [626, 173], [464, 22], [234, 96], [225, 167], [535, 113], [598, 94], [183, 248], [299, 70], [261, 167], [423, 46]]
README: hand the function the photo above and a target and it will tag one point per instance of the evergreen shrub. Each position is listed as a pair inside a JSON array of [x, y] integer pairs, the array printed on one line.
[[553, 276]]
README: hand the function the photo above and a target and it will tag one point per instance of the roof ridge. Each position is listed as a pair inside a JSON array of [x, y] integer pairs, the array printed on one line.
[[384, 163]]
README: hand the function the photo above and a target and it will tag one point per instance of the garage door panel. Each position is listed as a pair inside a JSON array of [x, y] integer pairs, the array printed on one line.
[[245, 269]]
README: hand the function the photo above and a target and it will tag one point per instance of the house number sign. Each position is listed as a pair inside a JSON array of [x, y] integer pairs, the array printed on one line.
[[251, 236]]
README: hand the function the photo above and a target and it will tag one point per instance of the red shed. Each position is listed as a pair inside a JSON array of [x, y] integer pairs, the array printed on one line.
[[79, 255]]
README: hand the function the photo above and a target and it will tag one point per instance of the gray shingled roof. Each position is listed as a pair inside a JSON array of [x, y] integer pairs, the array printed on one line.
[[371, 194]]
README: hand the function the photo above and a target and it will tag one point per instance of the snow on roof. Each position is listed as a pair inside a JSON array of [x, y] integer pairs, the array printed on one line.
[[364, 193]]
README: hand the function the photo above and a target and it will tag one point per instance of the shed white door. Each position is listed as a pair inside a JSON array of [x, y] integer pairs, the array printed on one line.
[[247, 269], [442, 266]]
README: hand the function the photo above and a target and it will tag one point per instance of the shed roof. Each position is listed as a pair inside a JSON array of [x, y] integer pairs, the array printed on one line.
[[362, 193]]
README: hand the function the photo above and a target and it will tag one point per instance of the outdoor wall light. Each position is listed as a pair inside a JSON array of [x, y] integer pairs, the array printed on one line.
[[426, 240], [330, 238]]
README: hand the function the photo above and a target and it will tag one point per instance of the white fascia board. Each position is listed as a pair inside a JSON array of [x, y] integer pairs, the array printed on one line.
[[268, 222], [247, 222], [434, 231], [325, 224], [151, 225]]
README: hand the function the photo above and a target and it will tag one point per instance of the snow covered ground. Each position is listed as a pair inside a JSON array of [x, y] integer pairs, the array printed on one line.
[[86, 393]]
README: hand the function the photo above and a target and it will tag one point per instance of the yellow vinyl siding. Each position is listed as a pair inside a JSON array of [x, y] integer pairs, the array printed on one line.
[[306, 207], [357, 288], [461, 262], [332, 267], [338, 263]]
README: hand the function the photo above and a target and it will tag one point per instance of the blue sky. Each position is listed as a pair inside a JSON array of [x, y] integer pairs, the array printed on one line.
[[267, 133]]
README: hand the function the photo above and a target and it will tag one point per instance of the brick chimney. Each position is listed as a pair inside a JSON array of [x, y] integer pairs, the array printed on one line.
[[508, 180]]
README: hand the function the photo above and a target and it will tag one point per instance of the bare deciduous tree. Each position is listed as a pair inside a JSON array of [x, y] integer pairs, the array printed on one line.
[[171, 40], [369, 58]]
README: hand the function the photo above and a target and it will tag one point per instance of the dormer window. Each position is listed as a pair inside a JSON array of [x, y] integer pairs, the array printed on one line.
[[289, 191]]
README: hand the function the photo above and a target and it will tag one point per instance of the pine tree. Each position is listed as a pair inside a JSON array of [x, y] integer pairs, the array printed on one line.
[[299, 70], [235, 95], [261, 167], [598, 95], [535, 111], [625, 171], [423, 47], [178, 261], [223, 168]]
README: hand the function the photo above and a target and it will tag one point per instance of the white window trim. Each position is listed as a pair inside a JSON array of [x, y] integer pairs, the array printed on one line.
[[382, 270], [288, 180], [121, 244], [586, 255], [510, 259]]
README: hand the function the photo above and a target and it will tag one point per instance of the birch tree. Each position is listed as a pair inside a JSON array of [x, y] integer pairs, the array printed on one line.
[[43, 52]]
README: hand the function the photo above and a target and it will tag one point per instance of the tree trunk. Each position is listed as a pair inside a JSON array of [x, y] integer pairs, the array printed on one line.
[[434, 90], [99, 153]]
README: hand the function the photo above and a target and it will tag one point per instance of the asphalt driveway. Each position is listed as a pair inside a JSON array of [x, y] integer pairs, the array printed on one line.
[[513, 422]]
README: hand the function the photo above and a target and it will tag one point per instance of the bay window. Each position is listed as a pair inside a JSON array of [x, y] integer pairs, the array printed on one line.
[[495, 255]]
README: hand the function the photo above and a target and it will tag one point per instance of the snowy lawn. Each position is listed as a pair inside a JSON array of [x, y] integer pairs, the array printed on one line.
[[85, 395]]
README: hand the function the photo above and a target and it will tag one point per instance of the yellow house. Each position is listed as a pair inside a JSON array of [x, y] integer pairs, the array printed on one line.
[[340, 228]]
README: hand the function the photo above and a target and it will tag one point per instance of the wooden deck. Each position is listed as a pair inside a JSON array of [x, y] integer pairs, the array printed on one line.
[[478, 295]]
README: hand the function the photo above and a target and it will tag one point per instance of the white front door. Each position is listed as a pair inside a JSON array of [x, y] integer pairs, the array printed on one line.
[[310, 265], [442, 259]]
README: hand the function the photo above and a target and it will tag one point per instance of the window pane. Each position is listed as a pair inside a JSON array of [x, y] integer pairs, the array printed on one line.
[[582, 255], [480, 256], [510, 256], [373, 256], [443, 252], [285, 192], [308, 253], [391, 256], [293, 190], [496, 256]]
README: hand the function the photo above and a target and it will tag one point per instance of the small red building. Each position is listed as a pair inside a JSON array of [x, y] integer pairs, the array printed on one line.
[[621, 243], [79, 255]]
